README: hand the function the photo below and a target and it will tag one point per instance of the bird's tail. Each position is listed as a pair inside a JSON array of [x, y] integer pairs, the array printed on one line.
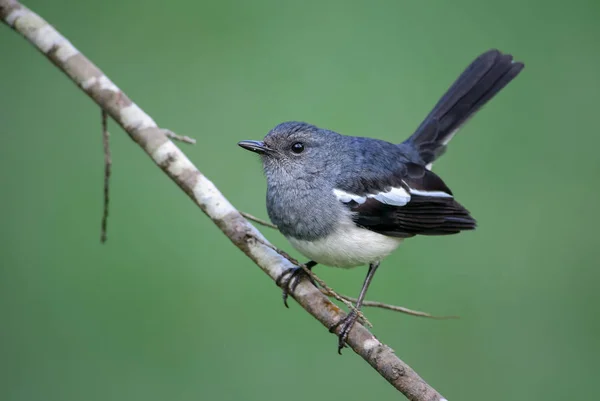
[[483, 79]]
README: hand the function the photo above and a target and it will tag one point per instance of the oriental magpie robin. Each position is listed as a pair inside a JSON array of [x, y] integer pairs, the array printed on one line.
[[347, 201]]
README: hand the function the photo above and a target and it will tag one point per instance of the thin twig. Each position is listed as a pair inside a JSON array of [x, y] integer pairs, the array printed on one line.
[[259, 221], [107, 168], [181, 138], [330, 291], [395, 308]]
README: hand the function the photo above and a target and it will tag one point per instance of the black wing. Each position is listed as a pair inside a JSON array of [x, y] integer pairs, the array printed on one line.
[[410, 201]]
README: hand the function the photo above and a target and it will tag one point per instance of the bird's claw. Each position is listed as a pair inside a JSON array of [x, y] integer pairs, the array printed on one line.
[[289, 280], [346, 325]]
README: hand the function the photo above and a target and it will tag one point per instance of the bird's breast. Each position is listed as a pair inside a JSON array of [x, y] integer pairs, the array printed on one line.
[[303, 213], [347, 246]]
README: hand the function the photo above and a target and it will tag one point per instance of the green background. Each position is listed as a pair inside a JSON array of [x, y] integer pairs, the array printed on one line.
[[168, 309]]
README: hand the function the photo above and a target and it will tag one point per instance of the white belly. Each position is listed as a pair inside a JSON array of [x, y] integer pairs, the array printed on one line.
[[348, 246]]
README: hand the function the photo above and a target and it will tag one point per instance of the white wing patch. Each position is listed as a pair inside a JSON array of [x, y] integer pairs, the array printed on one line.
[[393, 197], [346, 197], [436, 194]]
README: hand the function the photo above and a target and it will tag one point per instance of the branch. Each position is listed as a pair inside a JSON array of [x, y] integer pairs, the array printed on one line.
[[153, 140]]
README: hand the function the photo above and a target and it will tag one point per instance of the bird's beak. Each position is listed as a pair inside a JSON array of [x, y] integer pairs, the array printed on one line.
[[255, 146]]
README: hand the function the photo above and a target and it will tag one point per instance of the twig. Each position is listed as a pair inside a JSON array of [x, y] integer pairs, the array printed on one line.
[[180, 138], [144, 131], [259, 221], [329, 291], [395, 308], [107, 169]]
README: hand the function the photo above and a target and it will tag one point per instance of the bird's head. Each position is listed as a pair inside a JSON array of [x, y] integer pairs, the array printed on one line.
[[297, 151]]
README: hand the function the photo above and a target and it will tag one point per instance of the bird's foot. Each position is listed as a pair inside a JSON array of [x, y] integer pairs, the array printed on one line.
[[345, 325], [289, 280]]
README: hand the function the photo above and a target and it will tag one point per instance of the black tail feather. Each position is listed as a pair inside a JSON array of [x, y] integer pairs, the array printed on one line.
[[480, 81]]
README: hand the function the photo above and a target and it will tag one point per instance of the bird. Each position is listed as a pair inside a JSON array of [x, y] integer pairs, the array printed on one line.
[[347, 201]]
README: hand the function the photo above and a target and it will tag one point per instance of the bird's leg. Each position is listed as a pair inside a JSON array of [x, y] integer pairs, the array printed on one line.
[[347, 322], [289, 279]]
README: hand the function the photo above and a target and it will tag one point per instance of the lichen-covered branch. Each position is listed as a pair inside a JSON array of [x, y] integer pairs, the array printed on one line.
[[154, 141]]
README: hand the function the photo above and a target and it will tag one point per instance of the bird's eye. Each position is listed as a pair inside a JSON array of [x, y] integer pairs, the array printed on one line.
[[297, 147]]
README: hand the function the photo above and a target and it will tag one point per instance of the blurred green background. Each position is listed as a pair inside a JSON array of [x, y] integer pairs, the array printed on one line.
[[168, 309]]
